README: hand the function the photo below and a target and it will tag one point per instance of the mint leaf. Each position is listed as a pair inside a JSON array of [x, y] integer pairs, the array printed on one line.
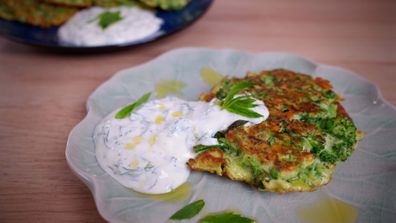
[[189, 210], [126, 111], [237, 88], [240, 105], [107, 19], [244, 112], [200, 148], [241, 100], [226, 217]]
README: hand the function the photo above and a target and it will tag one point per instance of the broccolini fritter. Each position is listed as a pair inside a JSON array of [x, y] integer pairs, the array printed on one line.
[[297, 148]]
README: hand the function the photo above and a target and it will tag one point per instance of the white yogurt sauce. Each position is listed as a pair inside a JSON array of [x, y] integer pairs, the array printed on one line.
[[148, 150], [83, 28]]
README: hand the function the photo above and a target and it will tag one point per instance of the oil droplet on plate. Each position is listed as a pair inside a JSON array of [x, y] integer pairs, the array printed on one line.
[[210, 76], [179, 194], [328, 210], [169, 87]]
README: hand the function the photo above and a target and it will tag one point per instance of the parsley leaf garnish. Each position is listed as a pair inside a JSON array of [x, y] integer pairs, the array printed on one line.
[[226, 217], [189, 210], [107, 19], [240, 105], [126, 111]]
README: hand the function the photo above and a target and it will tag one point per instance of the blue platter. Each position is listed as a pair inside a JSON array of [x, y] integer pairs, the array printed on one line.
[[173, 22]]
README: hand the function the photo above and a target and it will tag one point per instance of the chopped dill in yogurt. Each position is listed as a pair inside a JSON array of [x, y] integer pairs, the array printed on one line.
[[147, 149]]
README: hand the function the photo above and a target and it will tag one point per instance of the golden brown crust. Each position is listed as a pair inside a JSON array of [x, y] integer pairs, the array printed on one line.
[[283, 154], [35, 12], [212, 160]]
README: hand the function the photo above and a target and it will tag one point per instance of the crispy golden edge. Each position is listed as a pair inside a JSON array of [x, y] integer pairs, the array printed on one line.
[[226, 172]]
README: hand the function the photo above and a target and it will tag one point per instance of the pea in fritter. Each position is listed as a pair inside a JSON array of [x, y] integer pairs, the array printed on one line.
[[297, 148]]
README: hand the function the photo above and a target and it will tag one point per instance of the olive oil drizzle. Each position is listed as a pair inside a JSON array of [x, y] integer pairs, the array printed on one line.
[[181, 193], [210, 76], [328, 210], [165, 88]]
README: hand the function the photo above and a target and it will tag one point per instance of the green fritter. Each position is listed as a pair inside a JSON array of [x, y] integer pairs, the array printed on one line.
[[74, 3], [166, 4], [47, 13], [296, 149], [115, 3], [35, 12]]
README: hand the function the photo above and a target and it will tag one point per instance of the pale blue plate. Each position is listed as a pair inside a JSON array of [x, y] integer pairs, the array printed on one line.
[[366, 181]]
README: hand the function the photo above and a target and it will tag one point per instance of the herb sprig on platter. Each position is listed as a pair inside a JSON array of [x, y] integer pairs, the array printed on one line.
[[242, 104]]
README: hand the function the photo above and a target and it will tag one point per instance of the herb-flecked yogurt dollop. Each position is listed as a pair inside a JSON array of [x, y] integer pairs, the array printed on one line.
[[148, 150], [97, 26]]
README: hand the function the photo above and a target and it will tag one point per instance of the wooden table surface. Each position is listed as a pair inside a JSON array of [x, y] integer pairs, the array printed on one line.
[[43, 94]]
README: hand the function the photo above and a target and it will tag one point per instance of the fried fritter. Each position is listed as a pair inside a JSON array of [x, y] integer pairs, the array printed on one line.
[[297, 148], [166, 4], [35, 12], [73, 3], [47, 13], [115, 3]]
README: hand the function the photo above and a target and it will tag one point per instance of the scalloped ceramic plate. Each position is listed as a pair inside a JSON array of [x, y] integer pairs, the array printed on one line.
[[366, 181]]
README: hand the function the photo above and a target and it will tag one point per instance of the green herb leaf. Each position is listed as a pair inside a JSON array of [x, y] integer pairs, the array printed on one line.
[[240, 105], [126, 111], [237, 88], [240, 101], [226, 217], [244, 111], [200, 148], [107, 19], [189, 210]]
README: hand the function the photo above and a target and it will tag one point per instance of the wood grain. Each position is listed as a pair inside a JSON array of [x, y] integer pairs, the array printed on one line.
[[43, 94]]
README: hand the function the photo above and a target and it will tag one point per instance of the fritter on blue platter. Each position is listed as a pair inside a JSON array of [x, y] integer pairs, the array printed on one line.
[[35, 12]]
